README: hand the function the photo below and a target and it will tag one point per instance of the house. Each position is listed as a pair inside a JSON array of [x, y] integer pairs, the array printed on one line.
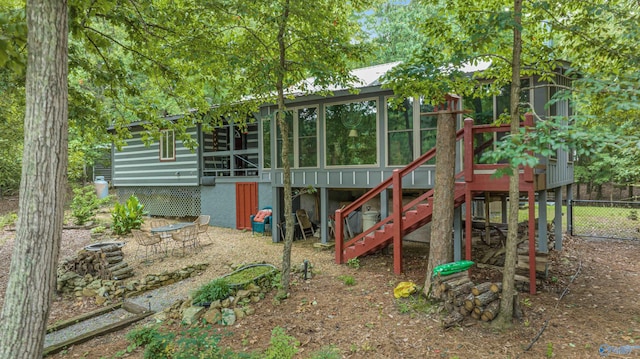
[[343, 145]]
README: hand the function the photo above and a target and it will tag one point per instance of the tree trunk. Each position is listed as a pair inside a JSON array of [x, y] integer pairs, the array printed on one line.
[[286, 166], [32, 276], [504, 319], [440, 249]]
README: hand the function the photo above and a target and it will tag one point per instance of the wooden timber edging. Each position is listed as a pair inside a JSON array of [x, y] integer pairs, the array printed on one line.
[[140, 313]]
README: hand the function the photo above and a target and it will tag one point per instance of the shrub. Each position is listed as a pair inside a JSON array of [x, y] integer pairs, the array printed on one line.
[[127, 216], [215, 290], [85, 204], [8, 219], [191, 343], [281, 346]]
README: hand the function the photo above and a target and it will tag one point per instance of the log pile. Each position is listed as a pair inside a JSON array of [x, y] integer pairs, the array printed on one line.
[[463, 298], [106, 263]]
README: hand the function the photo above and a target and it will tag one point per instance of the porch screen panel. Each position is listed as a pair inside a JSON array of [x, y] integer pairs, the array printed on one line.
[[400, 132], [428, 126], [351, 134], [289, 121], [308, 137]]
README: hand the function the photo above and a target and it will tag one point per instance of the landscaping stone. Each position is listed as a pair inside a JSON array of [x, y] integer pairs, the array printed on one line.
[[228, 317], [192, 314]]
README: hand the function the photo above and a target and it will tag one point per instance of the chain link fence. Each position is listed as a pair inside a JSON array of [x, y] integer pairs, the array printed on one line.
[[605, 219]]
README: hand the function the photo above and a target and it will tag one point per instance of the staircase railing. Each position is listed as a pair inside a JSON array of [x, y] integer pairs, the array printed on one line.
[[394, 182], [466, 134]]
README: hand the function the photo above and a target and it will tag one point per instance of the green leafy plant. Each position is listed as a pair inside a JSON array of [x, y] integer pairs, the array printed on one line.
[[329, 352], [281, 346], [85, 204], [549, 350], [353, 263], [98, 230], [217, 289], [347, 280], [8, 219], [127, 216], [191, 343]]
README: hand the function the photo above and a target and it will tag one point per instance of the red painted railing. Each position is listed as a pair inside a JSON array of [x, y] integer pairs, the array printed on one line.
[[466, 134]]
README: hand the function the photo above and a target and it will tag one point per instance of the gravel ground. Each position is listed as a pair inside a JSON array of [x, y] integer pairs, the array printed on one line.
[[86, 326]]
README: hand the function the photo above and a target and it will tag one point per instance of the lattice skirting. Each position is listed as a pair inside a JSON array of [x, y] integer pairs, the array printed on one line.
[[165, 201]]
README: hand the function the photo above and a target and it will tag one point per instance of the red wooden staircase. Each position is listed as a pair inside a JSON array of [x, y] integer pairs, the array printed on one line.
[[404, 219]]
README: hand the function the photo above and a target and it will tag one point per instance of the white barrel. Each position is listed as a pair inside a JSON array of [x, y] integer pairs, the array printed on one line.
[[369, 218], [102, 187]]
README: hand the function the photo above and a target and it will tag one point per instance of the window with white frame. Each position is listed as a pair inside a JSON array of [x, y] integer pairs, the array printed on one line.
[[167, 145]]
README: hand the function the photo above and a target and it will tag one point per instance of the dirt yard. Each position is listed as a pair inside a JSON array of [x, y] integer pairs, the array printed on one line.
[[600, 306]]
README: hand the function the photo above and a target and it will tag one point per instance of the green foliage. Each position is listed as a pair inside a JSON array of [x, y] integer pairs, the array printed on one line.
[[549, 350], [191, 343], [127, 216], [329, 352], [353, 263], [281, 346], [85, 204], [217, 289], [8, 219], [348, 280]]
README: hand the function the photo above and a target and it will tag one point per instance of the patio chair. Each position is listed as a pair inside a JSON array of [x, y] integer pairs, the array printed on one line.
[[261, 221], [147, 241], [159, 222], [186, 237], [203, 226], [306, 227]]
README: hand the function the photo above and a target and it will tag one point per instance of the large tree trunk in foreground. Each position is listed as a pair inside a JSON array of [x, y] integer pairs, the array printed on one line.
[[440, 249], [32, 276], [508, 275]]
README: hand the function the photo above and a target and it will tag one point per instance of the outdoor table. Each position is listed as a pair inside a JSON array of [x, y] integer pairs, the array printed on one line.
[[171, 227]]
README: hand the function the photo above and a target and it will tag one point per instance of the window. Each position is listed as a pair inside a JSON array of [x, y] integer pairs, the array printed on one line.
[[302, 124], [232, 149], [307, 137], [288, 119], [400, 133], [428, 127], [351, 134], [266, 141], [167, 145]]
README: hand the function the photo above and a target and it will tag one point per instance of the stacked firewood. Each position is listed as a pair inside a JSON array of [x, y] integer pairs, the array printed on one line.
[[106, 263], [463, 298]]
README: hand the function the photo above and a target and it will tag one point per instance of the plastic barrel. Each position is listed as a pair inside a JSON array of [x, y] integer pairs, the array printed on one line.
[[102, 187], [369, 219]]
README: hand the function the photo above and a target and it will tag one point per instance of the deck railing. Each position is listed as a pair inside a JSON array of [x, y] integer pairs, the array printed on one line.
[[466, 134]]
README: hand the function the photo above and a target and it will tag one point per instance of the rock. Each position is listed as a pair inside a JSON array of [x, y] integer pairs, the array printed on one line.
[[216, 304], [95, 284], [243, 294], [228, 317], [227, 302], [255, 298], [249, 311], [253, 288], [160, 316], [88, 292], [239, 313], [212, 316], [192, 314], [100, 300], [102, 291]]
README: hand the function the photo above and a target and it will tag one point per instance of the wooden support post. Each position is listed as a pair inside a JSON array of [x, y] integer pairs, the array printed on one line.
[[532, 241], [397, 222], [339, 237]]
